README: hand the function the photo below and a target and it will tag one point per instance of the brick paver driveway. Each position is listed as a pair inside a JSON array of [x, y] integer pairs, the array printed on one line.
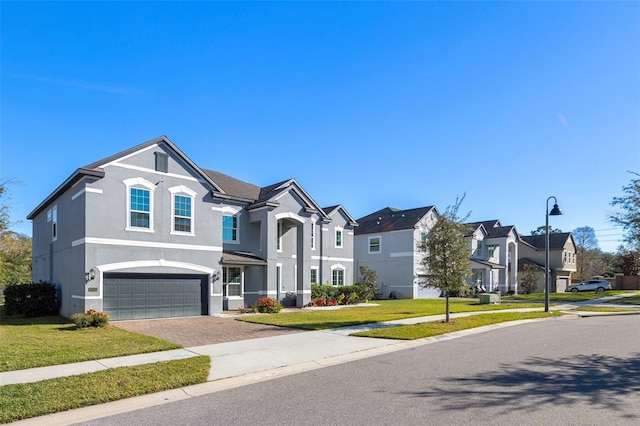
[[204, 330]]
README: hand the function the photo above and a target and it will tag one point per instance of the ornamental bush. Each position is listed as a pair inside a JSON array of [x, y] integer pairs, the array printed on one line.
[[267, 305], [31, 299], [91, 318]]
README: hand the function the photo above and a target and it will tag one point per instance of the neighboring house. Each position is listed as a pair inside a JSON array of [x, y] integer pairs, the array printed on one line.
[[386, 242], [562, 259], [146, 233], [494, 253]]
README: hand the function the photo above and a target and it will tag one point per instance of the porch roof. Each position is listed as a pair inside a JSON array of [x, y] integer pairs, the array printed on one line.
[[242, 258]]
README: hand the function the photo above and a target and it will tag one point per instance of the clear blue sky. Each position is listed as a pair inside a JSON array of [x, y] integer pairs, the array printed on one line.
[[401, 104]]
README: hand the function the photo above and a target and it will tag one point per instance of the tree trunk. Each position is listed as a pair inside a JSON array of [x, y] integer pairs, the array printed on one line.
[[446, 315]]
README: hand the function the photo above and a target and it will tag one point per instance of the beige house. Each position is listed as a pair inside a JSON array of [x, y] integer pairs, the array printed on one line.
[[562, 259]]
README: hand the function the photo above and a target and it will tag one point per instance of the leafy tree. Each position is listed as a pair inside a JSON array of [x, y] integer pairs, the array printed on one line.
[[445, 255], [629, 217], [15, 249], [368, 278], [528, 280], [630, 263], [540, 230]]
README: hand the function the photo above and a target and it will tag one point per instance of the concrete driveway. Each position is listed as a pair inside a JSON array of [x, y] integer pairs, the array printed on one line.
[[203, 330]]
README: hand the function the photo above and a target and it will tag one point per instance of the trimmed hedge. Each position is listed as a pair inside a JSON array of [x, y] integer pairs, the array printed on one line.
[[31, 299], [355, 293]]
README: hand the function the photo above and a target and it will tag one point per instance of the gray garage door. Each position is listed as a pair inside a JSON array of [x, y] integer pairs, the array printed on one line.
[[139, 296]]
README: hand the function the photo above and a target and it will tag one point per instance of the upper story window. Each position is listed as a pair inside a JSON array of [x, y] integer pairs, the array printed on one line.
[[140, 208], [339, 237], [139, 204], [182, 214], [491, 250], [479, 247], [229, 228], [374, 244], [182, 200]]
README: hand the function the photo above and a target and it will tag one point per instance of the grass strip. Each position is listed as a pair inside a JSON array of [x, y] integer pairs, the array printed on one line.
[[565, 297], [21, 401], [435, 328], [386, 310], [631, 300], [39, 342], [604, 309]]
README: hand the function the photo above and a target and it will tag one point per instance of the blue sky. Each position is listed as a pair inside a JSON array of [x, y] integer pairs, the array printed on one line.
[[366, 104]]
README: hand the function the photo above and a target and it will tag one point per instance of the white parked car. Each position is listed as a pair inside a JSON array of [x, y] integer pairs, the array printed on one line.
[[599, 286]]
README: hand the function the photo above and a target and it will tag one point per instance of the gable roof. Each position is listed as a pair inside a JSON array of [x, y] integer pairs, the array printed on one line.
[[392, 219], [234, 187], [96, 170], [486, 223], [556, 240], [329, 210]]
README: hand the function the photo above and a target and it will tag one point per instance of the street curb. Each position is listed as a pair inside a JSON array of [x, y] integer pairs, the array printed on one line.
[[145, 401]]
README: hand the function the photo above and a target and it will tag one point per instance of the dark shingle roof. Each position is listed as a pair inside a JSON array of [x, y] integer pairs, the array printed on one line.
[[556, 241], [391, 219], [486, 223], [234, 187]]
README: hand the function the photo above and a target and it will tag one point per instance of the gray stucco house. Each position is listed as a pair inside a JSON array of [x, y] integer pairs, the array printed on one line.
[[386, 241], [494, 256], [146, 233]]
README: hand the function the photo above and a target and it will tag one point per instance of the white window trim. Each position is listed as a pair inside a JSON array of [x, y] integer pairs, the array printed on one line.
[[279, 236], [188, 192], [314, 268], [143, 184], [338, 267], [313, 235], [379, 244], [241, 284], [335, 237], [237, 216]]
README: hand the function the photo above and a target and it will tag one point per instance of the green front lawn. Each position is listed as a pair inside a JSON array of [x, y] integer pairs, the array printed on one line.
[[386, 311], [435, 328], [21, 401], [604, 308], [565, 297], [39, 342]]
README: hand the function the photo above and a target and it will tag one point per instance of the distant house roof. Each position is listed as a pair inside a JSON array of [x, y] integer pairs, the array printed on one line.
[[391, 219], [556, 241], [486, 223]]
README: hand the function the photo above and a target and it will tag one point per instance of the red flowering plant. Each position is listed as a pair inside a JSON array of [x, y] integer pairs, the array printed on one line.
[[267, 305]]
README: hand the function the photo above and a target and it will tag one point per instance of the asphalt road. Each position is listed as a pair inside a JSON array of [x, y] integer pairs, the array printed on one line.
[[560, 372]]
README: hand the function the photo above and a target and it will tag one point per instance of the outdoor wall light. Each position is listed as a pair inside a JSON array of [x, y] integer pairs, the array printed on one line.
[[555, 211], [91, 275]]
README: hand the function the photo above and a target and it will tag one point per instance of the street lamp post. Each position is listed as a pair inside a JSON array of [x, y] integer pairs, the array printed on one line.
[[555, 211]]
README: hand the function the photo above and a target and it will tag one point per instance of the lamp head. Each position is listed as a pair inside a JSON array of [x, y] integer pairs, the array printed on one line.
[[555, 211]]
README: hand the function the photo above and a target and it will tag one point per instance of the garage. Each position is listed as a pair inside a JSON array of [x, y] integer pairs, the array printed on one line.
[[141, 296]]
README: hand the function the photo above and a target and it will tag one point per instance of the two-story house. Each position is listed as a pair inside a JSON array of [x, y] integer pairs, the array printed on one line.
[[386, 241], [562, 259], [494, 253], [146, 233]]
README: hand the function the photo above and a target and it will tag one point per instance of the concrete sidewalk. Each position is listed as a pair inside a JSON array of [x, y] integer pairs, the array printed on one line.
[[245, 362], [232, 359]]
